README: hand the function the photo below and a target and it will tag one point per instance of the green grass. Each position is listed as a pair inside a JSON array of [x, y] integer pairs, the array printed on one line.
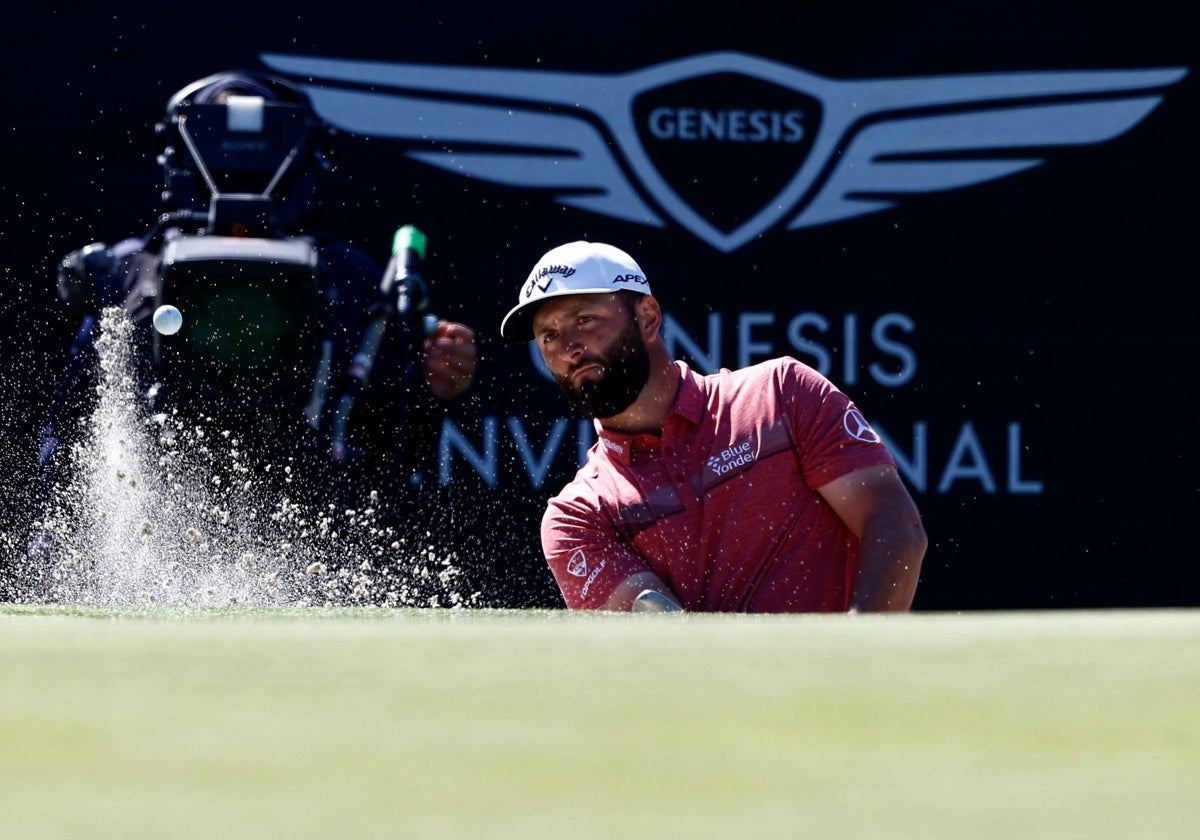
[[436, 723]]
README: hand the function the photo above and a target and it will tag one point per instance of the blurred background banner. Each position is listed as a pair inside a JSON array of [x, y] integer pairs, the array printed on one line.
[[977, 221]]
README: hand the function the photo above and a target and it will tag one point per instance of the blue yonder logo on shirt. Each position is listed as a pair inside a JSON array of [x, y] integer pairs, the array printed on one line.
[[739, 455]]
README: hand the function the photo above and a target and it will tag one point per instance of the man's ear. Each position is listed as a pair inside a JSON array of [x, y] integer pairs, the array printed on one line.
[[649, 316]]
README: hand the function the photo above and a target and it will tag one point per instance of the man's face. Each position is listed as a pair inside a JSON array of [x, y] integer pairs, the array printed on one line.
[[592, 346]]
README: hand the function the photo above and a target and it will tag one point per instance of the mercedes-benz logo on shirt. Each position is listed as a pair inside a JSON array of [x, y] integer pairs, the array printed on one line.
[[858, 427]]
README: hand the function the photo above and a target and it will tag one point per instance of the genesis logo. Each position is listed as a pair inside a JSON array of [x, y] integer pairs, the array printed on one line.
[[726, 145]]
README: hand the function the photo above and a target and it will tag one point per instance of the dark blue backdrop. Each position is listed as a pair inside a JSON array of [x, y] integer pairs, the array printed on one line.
[[1026, 343]]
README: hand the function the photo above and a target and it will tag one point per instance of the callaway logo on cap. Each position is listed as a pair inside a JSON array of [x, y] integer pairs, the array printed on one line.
[[577, 268]]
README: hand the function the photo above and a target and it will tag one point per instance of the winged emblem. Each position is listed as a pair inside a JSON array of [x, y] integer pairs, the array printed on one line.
[[726, 145]]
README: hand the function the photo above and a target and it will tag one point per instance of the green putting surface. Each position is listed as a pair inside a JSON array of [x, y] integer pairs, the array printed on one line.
[[166, 722]]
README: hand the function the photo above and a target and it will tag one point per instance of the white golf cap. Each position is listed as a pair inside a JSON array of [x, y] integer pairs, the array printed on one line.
[[577, 268]]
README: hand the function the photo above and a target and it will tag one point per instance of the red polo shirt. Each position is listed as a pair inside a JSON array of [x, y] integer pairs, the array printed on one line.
[[723, 506]]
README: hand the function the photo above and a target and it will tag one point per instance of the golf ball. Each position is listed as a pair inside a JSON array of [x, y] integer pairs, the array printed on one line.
[[167, 319]]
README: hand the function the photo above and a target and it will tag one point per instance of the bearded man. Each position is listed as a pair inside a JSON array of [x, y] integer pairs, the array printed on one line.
[[757, 490]]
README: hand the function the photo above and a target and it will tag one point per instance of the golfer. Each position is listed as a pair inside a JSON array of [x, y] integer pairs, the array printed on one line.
[[757, 490]]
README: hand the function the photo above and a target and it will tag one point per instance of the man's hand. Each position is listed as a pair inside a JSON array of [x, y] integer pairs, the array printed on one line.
[[653, 601], [625, 597], [450, 357]]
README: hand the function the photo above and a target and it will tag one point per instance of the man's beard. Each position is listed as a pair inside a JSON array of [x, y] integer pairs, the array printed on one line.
[[625, 373]]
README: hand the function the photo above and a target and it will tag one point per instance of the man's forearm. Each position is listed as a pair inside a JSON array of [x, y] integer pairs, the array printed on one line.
[[888, 570]]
